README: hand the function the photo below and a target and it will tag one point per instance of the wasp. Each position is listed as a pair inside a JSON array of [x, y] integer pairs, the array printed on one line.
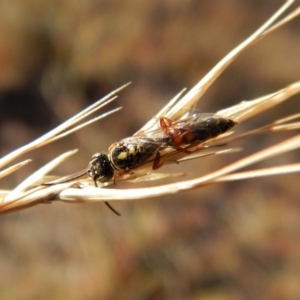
[[143, 147], [134, 151]]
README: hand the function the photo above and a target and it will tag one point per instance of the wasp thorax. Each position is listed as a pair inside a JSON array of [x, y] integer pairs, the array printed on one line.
[[100, 168], [128, 155]]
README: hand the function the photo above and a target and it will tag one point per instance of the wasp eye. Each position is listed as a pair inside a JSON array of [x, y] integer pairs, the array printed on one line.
[[100, 168]]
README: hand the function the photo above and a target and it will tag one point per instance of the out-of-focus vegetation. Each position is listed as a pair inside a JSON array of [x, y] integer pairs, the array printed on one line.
[[230, 241]]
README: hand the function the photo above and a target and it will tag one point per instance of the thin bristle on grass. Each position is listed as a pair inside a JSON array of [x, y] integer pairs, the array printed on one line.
[[30, 192]]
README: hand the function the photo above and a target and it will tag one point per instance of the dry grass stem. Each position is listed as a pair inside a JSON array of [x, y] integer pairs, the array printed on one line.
[[30, 192], [58, 132], [89, 194], [14, 168], [179, 109]]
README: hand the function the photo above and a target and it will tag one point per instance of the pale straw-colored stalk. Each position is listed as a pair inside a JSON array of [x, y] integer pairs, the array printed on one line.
[[30, 192]]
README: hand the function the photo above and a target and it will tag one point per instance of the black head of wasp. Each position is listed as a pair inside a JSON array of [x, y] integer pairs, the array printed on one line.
[[144, 147]]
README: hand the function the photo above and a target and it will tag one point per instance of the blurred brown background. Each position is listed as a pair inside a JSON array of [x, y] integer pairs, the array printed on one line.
[[230, 241]]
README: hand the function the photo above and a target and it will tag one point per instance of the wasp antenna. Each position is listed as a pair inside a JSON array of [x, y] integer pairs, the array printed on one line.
[[108, 205]]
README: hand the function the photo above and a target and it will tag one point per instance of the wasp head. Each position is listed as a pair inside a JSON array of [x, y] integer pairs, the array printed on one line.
[[100, 168]]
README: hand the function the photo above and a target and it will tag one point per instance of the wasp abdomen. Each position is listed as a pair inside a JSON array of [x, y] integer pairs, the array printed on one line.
[[212, 127], [199, 130]]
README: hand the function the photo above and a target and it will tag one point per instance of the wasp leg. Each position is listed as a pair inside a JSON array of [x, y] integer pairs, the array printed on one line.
[[175, 135], [164, 123], [108, 205], [157, 163], [112, 209], [186, 149]]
